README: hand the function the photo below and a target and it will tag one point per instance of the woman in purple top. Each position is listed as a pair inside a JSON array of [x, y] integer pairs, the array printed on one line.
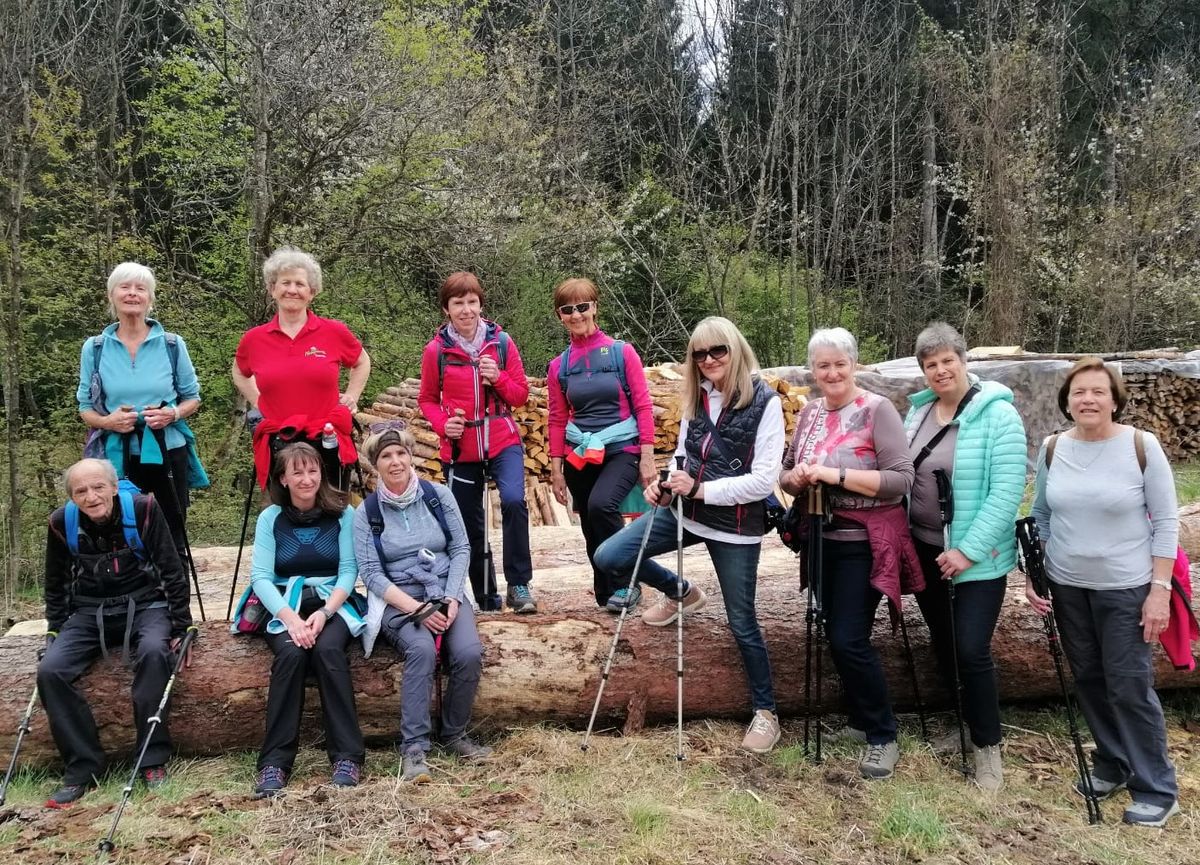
[[853, 443], [601, 428]]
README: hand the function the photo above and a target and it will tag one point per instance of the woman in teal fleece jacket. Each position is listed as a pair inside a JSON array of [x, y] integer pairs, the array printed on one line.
[[970, 430]]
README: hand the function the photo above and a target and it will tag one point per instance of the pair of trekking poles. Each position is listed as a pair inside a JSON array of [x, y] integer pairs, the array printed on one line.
[[107, 844], [633, 577]]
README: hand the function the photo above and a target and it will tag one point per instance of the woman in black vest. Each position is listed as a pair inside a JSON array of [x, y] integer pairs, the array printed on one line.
[[731, 437]]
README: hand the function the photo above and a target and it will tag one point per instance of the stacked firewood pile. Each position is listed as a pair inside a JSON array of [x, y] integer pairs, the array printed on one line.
[[1167, 405], [666, 387]]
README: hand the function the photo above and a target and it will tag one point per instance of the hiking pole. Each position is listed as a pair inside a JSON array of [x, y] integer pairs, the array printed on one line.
[[161, 437], [679, 464], [252, 420], [612, 651], [455, 451], [814, 622], [912, 673], [106, 845], [1034, 565], [946, 506], [491, 594], [22, 729]]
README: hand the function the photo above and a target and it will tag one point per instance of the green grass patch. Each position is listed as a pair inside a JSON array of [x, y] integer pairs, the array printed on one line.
[[646, 817], [1187, 482], [912, 824]]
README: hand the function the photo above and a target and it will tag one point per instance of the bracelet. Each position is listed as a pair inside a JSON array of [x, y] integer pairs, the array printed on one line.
[[842, 476], [329, 614], [691, 494], [175, 409], [1162, 584]]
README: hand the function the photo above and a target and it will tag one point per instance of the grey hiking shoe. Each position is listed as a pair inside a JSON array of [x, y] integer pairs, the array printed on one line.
[[623, 599], [520, 599], [1147, 814], [989, 768], [414, 769], [1103, 789], [467, 748], [880, 761]]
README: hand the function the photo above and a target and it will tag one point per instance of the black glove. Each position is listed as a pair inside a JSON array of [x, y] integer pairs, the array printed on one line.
[[253, 418]]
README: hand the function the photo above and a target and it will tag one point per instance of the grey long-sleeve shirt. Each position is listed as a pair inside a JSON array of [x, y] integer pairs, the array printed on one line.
[[405, 532], [1102, 519]]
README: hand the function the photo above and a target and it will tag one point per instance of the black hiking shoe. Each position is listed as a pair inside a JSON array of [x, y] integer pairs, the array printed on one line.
[[66, 796], [270, 782]]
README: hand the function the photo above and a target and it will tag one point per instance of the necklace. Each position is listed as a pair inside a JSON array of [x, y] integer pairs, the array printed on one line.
[[937, 414], [1099, 453]]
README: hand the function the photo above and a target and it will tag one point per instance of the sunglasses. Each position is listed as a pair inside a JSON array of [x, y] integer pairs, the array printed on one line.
[[385, 425], [580, 308], [716, 352]]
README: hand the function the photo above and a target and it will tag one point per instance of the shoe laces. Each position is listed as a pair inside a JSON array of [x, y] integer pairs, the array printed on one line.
[[521, 593], [348, 768], [621, 594], [762, 724], [154, 774], [875, 753], [271, 774]]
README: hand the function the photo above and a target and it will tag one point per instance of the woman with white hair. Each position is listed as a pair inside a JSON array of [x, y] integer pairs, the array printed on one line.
[[290, 367], [851, 442], [731, 437], [137, 384]]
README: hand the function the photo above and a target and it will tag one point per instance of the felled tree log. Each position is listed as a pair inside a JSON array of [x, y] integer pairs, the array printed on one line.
[[541, 667]]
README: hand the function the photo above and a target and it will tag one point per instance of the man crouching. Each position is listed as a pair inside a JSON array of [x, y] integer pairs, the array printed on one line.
[[113, 578]]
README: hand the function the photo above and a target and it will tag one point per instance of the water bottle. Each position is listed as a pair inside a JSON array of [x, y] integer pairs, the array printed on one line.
[[329, 439]]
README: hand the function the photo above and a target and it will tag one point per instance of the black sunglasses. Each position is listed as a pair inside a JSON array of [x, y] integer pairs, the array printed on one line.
[[716, 352], [581, 308]]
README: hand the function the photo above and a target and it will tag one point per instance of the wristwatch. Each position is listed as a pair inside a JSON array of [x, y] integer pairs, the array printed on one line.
[[842, 476], [329, 614], [1162, 584]]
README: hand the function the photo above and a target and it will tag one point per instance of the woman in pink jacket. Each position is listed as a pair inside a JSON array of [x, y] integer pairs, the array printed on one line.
[[601, 428], [471, 377]]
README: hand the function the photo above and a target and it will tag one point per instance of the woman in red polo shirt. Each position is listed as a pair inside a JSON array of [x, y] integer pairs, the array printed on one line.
[[290, 368]]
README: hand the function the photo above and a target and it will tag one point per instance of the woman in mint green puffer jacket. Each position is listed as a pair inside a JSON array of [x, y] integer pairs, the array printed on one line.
[[970, 430]]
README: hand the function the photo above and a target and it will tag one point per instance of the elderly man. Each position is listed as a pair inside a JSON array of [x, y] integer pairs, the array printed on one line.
[[113, 578]]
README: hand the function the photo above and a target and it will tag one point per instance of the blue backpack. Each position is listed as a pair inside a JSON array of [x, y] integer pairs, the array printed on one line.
[[126, 490], [375, 518], [617, 359]]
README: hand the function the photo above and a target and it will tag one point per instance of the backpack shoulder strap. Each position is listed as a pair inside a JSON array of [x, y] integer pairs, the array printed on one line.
[[129, 526], [502, 341], [173, 354], [375, 520], [618, 349], [1139, 448], [71, 527], [430, 496], [1051, 443], [563, 360]]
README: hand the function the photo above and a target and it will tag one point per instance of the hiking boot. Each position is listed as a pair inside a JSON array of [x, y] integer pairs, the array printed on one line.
[[1103, 789], [763, 732], [346, 773], [880, 761], [520, 599], [492, 603], [664, 612], [66, 795], [989, 769], [949, 743], [623, 599], [269, 782], [154, 776], [413, 768], [467, 748], [1146, 814]]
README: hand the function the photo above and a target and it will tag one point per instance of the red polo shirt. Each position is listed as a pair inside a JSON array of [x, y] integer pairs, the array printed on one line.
[[297, 376]]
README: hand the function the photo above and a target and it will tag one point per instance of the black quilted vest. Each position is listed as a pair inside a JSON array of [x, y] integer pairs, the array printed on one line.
[[705, 461]]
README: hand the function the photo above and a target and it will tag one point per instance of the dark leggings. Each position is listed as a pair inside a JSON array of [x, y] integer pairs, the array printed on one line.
[[976, 610], [597, 491]]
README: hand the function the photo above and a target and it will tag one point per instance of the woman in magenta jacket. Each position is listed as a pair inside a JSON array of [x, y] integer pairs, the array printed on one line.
[[601, 428], [471, 377]]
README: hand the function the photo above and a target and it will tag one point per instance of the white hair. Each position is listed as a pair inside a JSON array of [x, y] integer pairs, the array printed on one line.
[[104, 465], [130, 271], [837, 338], [291, 258]]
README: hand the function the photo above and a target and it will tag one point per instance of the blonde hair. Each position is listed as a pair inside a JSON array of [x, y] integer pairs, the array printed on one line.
[[375, 444], [738, 385]]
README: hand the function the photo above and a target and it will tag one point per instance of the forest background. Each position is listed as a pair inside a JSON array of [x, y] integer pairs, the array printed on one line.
[[1029, 171]]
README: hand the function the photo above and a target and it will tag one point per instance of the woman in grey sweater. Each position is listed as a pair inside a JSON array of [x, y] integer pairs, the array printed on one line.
[[405, 531], [1106, 510]]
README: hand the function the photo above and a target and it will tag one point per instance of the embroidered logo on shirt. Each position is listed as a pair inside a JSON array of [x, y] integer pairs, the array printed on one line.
[[313, 351]]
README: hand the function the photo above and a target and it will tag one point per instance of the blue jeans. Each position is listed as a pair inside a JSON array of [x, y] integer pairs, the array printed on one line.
[[737, 572], [508, 471]]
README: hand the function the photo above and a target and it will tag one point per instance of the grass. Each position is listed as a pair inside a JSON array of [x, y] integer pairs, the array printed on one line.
[[1187, 481], [625, 801]]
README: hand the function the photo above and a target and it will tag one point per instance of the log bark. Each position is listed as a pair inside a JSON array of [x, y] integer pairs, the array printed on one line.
[[540, 667]]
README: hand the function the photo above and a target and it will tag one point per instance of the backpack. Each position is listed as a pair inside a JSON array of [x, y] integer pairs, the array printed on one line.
[[502, 341], [126, 490], [616, 352], [375, 518]]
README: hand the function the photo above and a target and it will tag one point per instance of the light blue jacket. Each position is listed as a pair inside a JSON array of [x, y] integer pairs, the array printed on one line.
[[988, 480]]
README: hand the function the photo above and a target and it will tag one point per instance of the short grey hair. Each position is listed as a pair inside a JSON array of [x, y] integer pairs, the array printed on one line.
[[105, 466], [939, 336], [291, 258], [130, 271], [836, 338]]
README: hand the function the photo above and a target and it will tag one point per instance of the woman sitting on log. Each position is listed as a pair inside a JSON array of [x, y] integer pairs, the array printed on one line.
[[303, 576], [852, 442], [967, 431], [1106, 511], [407, 526], [601, 424], [730, 442]]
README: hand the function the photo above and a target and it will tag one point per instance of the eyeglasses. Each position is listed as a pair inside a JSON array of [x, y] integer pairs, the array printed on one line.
[[385, 425], [580, 308], [716, 352]]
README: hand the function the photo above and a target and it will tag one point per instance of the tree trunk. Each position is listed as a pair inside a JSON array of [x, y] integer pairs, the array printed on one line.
[[542, 667]]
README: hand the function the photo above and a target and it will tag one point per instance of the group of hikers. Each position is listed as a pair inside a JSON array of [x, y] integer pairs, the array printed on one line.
[[117, 560]]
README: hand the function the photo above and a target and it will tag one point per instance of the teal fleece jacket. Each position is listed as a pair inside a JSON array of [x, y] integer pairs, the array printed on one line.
[[989, 477]]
